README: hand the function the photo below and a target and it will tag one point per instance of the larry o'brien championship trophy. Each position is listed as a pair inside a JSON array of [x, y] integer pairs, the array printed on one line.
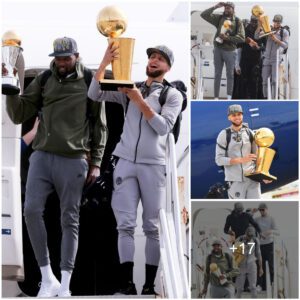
[[263, 19], [111, 22], [10, 52], [264, 138]]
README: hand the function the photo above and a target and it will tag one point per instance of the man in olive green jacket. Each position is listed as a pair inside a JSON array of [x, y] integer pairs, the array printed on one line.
[[71, 130], [230, 32], [219, 271]]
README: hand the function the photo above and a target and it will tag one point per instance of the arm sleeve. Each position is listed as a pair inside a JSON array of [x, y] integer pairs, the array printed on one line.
[[274, 227], [95, 93], [206, 274], [22, 107], [257, 249], [240, 36], [99, 133], [221, 159], [227, 224], [253, 146], [163, 123], [254, 224], [238, 57], [211, 18], [233, 272]]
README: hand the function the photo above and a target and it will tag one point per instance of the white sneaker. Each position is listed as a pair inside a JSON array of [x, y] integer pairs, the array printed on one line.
[[49, 289], [65, 293], [258, 288]]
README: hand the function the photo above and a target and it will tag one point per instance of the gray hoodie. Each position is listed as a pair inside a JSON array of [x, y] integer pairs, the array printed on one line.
[[143, 141], [235, 149], [270, 52]]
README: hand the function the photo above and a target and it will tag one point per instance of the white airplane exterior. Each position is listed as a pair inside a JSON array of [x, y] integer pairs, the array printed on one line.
[[39, 24]]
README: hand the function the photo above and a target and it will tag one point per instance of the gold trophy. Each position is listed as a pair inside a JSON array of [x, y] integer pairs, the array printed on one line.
[[216, 271], [263, 19], [238, 255], [111, 22], [10, 52], [264, 138], [224, 29]]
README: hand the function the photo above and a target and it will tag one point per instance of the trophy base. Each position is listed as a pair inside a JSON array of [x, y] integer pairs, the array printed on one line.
[[259, 177], [113, 85], [8, 89], [266, 34]]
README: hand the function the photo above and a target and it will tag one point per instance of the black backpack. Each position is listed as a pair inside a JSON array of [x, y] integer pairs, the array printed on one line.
[[180, 86], [281, 35]]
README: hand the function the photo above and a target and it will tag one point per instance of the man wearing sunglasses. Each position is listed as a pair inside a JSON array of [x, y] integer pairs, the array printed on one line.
[[268, 231]]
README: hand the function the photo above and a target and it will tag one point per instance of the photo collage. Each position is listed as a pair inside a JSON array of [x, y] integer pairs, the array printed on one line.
[[150, 149]]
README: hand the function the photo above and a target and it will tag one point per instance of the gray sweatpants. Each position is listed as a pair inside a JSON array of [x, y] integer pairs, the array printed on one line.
[[132, 182], [269, 69], [222, 291], [221, 56], [248, 189], [49, 172], [249, 271]]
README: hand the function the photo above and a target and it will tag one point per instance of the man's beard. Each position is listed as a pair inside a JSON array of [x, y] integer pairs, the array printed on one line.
[[154, 74], [236, 124], [217, 252], [228, 14]]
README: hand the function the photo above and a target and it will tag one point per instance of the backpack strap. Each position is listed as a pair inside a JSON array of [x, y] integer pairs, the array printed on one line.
[[88, 76], [44, 78], [228, 138], [228, 260]]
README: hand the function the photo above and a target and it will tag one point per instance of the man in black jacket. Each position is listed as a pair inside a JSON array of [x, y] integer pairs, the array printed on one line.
[[238, 221]]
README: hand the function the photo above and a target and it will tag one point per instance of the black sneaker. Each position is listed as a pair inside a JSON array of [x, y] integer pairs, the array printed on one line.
[[149, 290], [129, 289]]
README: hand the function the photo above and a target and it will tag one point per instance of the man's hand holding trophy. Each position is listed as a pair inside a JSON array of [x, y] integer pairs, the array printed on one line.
[[224, 31], [111, 22], [214, 269]]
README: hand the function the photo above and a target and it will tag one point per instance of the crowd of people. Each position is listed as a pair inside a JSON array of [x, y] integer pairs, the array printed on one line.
[[230, 271], [250, 56]]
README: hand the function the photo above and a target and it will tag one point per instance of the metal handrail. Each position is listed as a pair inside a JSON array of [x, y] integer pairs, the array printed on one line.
[[170, 234], [196, 53]]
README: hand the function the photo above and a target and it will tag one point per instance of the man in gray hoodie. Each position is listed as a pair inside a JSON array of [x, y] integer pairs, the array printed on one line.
[[238, 156], [140, 172]]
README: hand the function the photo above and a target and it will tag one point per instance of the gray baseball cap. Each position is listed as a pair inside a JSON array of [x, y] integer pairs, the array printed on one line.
[[262, 206], [234, 108], [238, 206], [164, 51], [231, 4], [216, 242], [64, 47], [278, 18]]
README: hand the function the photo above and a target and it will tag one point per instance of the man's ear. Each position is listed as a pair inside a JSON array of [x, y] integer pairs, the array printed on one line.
[[77, 56]]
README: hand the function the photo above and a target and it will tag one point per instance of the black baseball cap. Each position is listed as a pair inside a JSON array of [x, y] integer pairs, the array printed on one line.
[[64, 47]]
